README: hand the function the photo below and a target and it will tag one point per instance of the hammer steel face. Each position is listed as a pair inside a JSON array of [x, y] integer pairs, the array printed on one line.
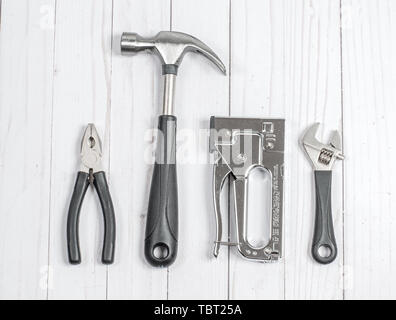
[[323, 156], [162, 217], [240, 145]]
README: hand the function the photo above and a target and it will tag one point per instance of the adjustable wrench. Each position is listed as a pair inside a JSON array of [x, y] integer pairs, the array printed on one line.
[[323, 157]]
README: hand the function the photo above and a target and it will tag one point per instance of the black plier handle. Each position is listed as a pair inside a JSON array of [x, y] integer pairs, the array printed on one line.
[[80, 188]]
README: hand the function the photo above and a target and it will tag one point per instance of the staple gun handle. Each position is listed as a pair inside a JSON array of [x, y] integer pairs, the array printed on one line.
[[162, 217], [324, 230]]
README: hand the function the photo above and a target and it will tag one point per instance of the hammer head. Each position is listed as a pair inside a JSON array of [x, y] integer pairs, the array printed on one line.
[[170, 47]]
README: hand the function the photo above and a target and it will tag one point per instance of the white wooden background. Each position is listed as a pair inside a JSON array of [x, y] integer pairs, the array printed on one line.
[[332, 61]]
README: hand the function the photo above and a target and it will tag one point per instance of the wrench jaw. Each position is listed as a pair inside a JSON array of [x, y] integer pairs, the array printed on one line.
[[321, 155], [239, 145]]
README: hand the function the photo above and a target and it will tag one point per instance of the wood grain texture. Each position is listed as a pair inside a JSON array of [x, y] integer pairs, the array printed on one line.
[[250, 72], [202, 91], [313, 94], [26, 59], [286, 63], [81, 96], [136, 99], [369, 73], [305, 61]]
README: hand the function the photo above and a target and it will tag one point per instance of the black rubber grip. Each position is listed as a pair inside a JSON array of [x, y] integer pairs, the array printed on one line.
[[162, 216], [324, 230], [73, 217], [102, 188]]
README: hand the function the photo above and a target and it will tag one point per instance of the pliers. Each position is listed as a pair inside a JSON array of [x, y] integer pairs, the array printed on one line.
[[91, 173]]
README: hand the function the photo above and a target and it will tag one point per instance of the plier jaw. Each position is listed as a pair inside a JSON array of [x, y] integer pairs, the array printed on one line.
[[91, 151]]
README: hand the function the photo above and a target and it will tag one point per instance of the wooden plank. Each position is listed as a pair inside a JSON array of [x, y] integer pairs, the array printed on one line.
[[251, 79], [26, 60], [369, 72], [136, 103], [81, 95], [313, 95], [202, 91], [285, 63]]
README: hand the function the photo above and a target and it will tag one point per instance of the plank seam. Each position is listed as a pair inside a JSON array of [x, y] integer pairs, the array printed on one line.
[[51, 148], [170, 14], [229, 114], [170, 28], [110, 105], [342, 141], [1, 5]]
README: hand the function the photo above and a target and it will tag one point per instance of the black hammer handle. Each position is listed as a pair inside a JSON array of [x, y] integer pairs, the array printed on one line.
[[324, 231], [102, 189], [73, 217], [162, 217]]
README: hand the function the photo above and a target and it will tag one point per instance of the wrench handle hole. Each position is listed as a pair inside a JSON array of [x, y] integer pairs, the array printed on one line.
[[324, 251]]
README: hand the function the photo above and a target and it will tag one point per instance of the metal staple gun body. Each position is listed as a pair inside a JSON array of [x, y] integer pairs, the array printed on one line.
[[240, 145]]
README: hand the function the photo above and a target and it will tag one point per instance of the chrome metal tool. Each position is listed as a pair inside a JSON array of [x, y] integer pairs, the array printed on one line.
[[240, 145], [160, 246], [323, 156], [91, 173]]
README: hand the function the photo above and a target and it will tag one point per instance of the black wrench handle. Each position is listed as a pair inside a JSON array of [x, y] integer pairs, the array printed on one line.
[[324, 230], [160, 245]]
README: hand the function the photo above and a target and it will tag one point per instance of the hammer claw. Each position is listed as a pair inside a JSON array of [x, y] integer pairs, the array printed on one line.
[[170, 46]]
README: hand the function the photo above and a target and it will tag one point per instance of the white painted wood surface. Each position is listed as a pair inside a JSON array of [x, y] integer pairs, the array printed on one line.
[[369, 73], [305, 61]]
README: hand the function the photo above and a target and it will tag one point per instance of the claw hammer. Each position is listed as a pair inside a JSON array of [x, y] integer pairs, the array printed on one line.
[[160, 247]]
